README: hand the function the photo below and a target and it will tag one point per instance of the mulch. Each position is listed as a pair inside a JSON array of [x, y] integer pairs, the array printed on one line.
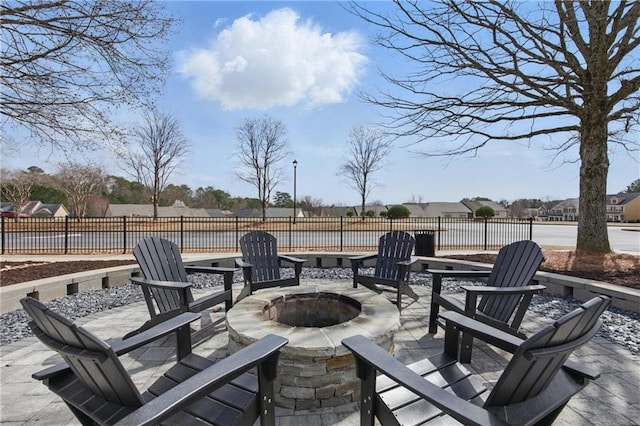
[[18, 272]]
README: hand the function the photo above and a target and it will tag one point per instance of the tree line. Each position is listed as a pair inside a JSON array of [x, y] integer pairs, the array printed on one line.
[[564, 73]]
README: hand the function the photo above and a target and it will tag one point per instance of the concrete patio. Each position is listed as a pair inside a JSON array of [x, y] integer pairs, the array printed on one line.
[[613, 399]]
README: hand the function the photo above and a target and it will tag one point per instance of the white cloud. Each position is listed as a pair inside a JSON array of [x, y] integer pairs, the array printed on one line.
[[275, 61]]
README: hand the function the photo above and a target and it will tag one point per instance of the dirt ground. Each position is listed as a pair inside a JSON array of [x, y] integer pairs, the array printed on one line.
[[620, 269]]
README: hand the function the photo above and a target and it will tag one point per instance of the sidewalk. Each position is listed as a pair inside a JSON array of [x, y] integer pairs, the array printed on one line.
[[613, 399]]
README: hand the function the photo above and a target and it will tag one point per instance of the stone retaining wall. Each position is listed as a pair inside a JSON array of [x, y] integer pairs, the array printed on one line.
[[51, 288]]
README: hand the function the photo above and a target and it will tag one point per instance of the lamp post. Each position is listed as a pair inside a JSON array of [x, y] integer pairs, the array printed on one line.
[[295, 165]]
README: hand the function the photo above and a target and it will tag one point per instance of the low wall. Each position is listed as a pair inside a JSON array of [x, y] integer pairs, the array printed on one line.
[[51, 288]]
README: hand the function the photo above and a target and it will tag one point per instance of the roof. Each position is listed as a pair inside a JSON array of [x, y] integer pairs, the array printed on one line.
[[146, 210], [476, 204], [438, 209], [623, 197]]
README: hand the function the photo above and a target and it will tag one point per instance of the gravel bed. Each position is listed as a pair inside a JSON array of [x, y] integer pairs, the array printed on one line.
[[621, 327]]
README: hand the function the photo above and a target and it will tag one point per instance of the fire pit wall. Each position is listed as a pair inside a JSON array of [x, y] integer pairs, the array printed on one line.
[[314, 370]]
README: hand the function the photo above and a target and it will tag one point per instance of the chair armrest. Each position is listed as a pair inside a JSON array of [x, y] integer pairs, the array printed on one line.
[[362, 257], [263, 351], [193, 269], [291, 258], [242, 264], [370, 355], [121, 347], [580, 369], [161, 284], [479, 330], [504, 290], [356, 261], [409, 261], [446, 273]]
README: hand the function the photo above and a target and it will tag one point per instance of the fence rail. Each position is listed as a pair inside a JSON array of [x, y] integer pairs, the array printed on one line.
[[196, 234]]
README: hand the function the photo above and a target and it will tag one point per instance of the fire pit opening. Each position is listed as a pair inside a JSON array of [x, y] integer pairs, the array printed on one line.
[[312, 309]]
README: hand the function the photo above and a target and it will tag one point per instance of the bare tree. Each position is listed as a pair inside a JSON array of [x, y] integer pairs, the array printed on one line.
[[66, 63], [367, 149], [508, 71], [79, 182], [262, 145], [162, 146], [15, 188]]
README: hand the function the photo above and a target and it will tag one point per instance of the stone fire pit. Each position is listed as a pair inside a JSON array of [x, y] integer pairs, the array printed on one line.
[[314, 370]]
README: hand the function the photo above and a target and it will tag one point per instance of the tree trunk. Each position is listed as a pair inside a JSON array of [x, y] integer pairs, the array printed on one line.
[[594, 167]]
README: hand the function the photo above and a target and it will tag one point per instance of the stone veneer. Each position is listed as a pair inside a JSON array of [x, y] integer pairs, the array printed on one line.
[[314, 369]]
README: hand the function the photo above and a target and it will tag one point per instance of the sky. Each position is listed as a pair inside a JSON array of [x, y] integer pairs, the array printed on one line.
[[304, 63]]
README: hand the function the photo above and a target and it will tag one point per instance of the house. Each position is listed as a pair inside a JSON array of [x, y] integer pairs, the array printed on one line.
[[447, 210], [415, 209], [498, 210], [566, 210], [375, 208], [218, 213], [269, 212], [39, 209], [339, 211], [146, 210], [623, 207]]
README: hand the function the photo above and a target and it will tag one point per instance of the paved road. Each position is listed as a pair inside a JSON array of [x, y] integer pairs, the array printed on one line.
[[623, 239]]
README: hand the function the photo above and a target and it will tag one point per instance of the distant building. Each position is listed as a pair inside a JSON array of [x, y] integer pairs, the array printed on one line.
[[146, 210], [39, 209], [623, 207], [447, 210], [270, 212], [497, 208], [566, 210]]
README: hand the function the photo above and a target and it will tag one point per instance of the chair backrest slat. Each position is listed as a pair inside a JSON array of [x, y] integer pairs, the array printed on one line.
[[393, 247], [92, 361], [160, 260], [531, 369], [515, 266], [260, 249]]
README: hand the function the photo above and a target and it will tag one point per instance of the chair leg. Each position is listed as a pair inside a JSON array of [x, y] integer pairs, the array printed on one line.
[[466, 346], [435, 307], [183, 336]]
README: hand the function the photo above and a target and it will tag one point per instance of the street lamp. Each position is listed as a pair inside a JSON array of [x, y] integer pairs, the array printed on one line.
[[295, 165]]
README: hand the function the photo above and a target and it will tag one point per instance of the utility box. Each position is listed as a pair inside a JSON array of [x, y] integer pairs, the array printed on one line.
[[425, 242]]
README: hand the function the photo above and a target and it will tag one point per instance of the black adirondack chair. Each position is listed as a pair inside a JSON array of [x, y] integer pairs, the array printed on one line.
[[166, 289], [533, 389], [98, 389], [503, 301], [261, 262], [393, 265]]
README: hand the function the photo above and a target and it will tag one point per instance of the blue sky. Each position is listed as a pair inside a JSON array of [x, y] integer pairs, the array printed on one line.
[[303, 63]]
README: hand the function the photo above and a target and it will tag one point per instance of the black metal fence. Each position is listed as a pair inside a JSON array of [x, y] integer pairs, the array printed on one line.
[[197, 234]]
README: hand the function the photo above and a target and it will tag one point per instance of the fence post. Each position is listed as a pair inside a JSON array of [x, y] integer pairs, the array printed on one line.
[[237, 233], [2, 232], [439, 230], [66, 234], [341, 232], [124, 235], [181, 233], [486, 223], [531, 228]]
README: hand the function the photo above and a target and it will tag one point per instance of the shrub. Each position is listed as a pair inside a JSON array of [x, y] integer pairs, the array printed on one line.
[[485, 211], [398, 212], [370, 213], [349, 213], [383, 213]]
